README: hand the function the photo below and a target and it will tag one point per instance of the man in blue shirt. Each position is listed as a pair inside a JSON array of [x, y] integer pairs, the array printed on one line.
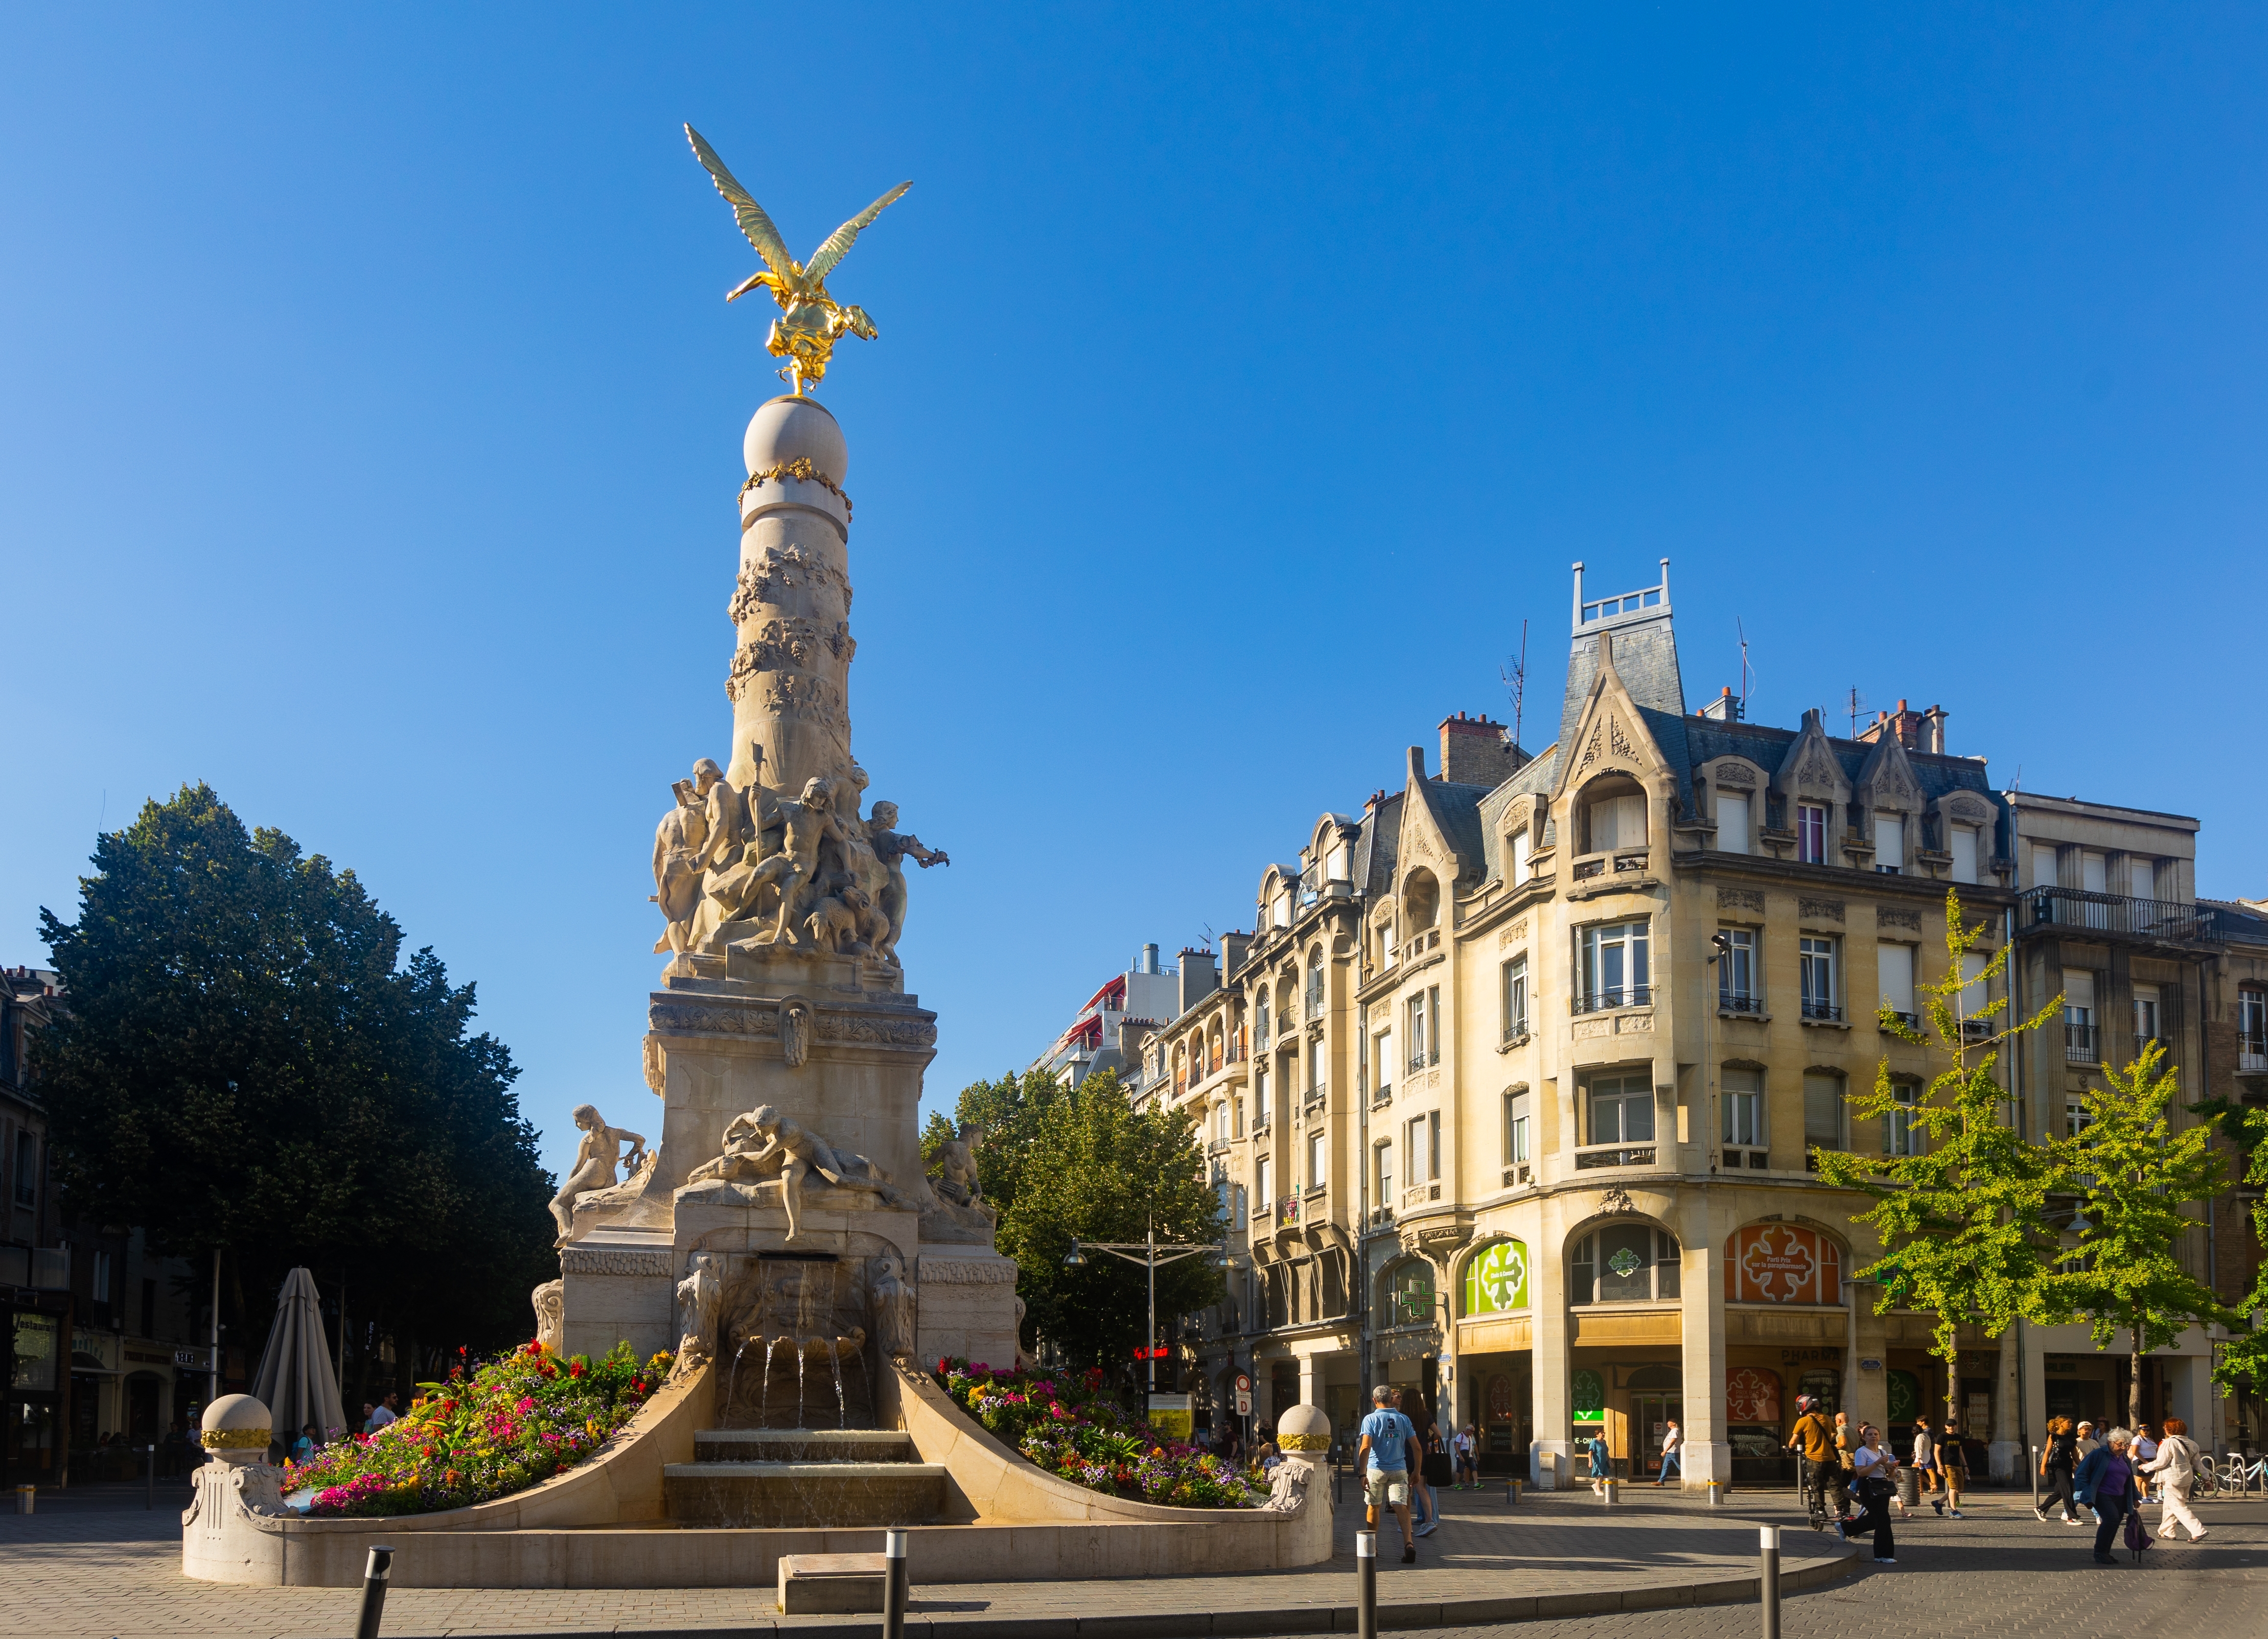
[[1389, 1451]]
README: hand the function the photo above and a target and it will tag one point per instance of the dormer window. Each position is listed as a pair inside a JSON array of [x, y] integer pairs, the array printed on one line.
[[1614, 818], [1811, 833], [1890, 844]]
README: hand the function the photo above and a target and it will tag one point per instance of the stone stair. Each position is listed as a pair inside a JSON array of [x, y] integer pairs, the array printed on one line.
[[787, 1478]]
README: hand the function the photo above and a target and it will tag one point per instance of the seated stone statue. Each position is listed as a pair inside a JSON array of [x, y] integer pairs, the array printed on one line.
[[595, 1158], [765, 1148]]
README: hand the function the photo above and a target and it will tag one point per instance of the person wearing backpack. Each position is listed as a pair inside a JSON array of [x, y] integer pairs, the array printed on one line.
[[1389, 1451], [2176, 1466]]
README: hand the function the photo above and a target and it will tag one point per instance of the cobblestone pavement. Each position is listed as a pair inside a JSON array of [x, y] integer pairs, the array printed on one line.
[[93, 1563]]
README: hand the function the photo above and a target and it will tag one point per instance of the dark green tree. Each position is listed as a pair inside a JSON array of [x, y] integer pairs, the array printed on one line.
[[2134, 1174], [2242, 1364], [1060, 1164], [248, 1063]]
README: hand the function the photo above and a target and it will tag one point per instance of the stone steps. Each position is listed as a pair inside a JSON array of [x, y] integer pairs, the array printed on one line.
[[803, 1445], [775, 1479]]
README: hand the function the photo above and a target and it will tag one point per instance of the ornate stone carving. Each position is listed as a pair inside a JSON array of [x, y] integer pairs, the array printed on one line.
[[1590, 751], [1887, 916], [594, 1166], [777, 570], [615, 1260], [969, 1271], [550, 1304], [865, 1029], [1740, 899], [656, 1069], [952, 1169], [1287, 1487], [795, 1031], [1512, 931], [1735, 774], [892, 1295], [892, 850], [686, 1019], [801, 468], [678, 842], [767, 1149], [699, 1297], [1617, 1203], [1829, 910], [1617, 741]]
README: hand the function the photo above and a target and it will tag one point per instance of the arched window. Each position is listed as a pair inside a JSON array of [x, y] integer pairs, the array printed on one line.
[[1421, 900], [1260, 1017], [1782, 1263], [1623, 1263], [1496, 1279], [1613, 815], [1315, 985]]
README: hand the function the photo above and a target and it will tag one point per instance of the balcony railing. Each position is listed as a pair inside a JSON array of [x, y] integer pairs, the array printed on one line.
[[1516, 1031], [2117, 913], [1591, 1156], [1424, 1060], [2252, 1054], [1315, 1005], [1382, 1095], [1912, 1021], [1314, 1096], [2080, 1044], [1614, 996], [1739, 1002], [1812, 1007]]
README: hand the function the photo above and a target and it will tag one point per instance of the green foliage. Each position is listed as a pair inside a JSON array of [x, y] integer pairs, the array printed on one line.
[[247, 1061], [513, 1422], [2243, 1360], [1060, 1164], [1963, 1225], [2133, 1173]]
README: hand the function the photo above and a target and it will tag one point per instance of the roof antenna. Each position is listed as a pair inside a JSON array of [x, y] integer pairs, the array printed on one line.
[[1747, 671], [1857, 705], [1514, 673]]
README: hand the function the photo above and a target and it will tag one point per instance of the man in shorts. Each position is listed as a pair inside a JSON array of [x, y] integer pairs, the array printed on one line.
[[1389, 1452], [1952, 1468]]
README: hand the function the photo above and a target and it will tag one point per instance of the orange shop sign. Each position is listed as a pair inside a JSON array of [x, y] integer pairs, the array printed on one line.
[[1782, 1263]]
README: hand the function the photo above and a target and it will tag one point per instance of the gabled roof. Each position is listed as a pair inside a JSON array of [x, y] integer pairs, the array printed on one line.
[[1375, 851], [1455, 810]]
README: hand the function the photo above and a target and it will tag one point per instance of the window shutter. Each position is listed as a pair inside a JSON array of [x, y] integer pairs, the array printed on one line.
[[1965, 853], [1732, 822], [1519, 847], [2043, 865], [1823, 1111], [2078, 988], [1890, 840], [1897, 971]]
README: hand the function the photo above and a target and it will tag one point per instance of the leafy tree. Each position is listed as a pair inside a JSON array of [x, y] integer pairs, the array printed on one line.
[[1963, 1225], [1060, 1164], [246, 1063], [2134, 1174], [2243, 1360]]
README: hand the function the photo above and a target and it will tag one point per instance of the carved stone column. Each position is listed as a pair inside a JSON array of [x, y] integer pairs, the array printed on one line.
[[790, 677]]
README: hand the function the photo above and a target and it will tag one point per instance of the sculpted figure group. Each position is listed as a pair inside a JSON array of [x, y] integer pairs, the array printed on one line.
[[755, 868]]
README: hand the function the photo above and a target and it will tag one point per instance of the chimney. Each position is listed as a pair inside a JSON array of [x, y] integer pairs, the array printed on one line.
[[1724, 709], [1233, 946], [1915, 730], [1199, 980], [1478, 752], [1147, 962]]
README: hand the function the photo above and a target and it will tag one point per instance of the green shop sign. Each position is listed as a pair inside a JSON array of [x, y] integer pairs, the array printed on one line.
[[1590, 1395], [1496, 1280]]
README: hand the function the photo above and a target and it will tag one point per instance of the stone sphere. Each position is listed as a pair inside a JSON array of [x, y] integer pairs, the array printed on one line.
[[789, 429], [237, 1428], [1303, 1428]]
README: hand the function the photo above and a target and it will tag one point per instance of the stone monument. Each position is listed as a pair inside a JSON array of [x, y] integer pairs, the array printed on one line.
[[786, 1202]]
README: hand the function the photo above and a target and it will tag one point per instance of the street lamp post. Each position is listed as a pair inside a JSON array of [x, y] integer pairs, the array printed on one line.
[[1152, 1254]]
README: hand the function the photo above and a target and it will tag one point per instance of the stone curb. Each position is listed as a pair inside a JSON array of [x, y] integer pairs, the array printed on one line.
[[1301, 1618]]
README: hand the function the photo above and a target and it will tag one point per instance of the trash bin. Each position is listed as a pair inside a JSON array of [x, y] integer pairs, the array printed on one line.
[[1908, 1487]]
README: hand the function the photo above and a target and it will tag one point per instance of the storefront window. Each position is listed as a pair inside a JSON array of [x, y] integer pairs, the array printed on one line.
[[37, 1336], [1496, 1280], [1626, 1263], [1782, 1263]]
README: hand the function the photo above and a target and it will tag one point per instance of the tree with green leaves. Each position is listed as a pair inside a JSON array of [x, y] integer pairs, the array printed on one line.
[[2241, 1362], [1963, 1223], [248, 1063], [1063, 1164], [2133, 1172]]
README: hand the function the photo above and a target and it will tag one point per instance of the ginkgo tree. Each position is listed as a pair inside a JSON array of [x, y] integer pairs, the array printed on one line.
[[2132, 1172], [1964, 1223]]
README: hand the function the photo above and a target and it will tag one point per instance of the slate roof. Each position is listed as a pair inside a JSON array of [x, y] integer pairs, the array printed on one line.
[[1457, 809], [1705, 740], [1375, 850]]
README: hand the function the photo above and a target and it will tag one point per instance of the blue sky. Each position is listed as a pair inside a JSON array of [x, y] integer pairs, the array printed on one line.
[[370, 423]]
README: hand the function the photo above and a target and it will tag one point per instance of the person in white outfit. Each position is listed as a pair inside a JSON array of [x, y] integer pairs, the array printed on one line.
[[2176, 1469]]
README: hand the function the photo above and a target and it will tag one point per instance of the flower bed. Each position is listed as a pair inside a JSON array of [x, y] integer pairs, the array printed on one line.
[[514, 1421], [1062, 1422]]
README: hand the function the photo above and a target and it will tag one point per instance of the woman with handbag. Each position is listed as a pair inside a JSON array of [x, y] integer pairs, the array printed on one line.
[[2176, 1467], [2058, 1461], [1874, 1480], [2106, 1484]]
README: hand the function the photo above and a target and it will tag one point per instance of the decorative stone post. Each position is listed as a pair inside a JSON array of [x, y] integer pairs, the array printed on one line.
[[218, 1542]]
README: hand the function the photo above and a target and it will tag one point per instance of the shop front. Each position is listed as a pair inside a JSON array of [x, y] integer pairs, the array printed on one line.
[[33, 1441], [1495, 1358], [1785, 1331]]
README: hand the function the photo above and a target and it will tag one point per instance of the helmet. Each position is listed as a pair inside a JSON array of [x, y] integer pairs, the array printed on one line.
[[1805, 1402]]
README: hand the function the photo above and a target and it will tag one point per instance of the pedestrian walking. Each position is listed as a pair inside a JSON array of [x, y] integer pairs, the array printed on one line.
[[1873, 1475], [2106, 1484], [1468, 1465], [1952, 1468], [1387, 1446], [2058, 1461], [1600, 1470], [1814, 1441], [1924, 1458], [2145, 1453], [1672, 1447], [2176, 1466], [1432, 1469]]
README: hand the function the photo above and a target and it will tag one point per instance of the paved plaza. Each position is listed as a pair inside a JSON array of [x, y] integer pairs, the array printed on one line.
[[95, 1564]]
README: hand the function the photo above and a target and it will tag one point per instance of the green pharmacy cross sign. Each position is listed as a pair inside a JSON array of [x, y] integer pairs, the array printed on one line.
[[1413, 1296], [1496, 1280], [1589, 1395], [1623, 1263]]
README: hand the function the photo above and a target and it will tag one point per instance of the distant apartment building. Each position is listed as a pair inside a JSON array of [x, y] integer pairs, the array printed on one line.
[[1104, 1033], [1512, 1098]]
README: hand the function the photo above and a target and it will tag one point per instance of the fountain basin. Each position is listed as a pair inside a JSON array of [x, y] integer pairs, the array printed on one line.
[[804, 1446], [764, 1495]]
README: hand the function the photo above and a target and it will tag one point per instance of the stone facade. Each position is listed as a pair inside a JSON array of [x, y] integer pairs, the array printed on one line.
[[1526, 1122]]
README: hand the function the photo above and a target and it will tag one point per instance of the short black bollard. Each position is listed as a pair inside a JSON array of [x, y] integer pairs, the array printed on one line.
[[1768, 1541], [2035, 1479], [1366, 1583], [893, 1585], [374, 1578], [1512, 1493], [150, 1497]]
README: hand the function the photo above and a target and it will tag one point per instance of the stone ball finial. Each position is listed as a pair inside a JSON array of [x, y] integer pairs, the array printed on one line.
[[1303, 1428], [790, 429], [237, 1428]]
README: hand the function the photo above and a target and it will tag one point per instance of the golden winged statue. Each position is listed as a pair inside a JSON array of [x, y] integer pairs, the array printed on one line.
[[811, 321]]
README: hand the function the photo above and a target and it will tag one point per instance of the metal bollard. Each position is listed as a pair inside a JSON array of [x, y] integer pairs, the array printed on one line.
[[2035, 1479], [1512, 1493], [1366, 1583], [1606, 1492], [893, 1585], [1716, 1489], [374, 1578], [1768, 1543], [25, 1493], [150, 1500]]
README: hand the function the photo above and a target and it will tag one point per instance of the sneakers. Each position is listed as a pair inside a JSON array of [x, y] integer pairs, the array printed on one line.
[[2071, 1519], [1427, 1530], [1956, 1514], [1879, 1560], [1409, 1554], [1843, 1529], [1939, 1506]]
